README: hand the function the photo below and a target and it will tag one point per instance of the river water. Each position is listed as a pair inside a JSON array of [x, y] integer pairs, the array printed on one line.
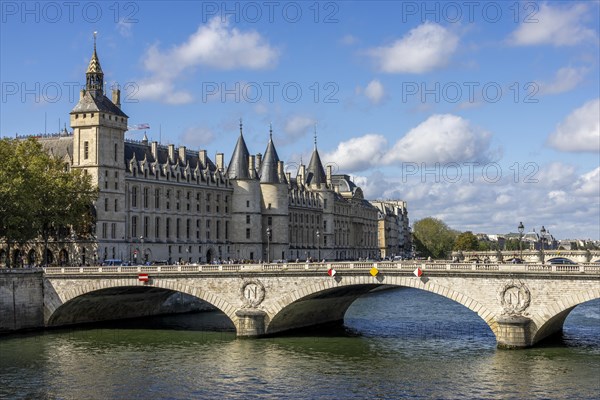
[[397, 344]]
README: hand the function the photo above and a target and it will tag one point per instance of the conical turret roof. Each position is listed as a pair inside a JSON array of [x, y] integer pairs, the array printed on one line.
[[315, 174], [238, 166], [268, 168]]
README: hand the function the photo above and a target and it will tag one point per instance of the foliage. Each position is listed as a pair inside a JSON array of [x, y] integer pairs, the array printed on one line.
[[513, 245], [466, 241], [39, 196], [433, 238]]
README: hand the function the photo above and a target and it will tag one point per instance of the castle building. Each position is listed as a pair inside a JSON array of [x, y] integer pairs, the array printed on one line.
[[159, 203]]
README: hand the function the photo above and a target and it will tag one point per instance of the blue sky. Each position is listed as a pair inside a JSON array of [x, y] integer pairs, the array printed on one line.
[[482, 114]]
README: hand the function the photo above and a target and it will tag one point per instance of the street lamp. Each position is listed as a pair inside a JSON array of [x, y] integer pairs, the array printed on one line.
[[318, 245], [142, 249], [542, 240], [521, 229], [268, 245], [74, 239]]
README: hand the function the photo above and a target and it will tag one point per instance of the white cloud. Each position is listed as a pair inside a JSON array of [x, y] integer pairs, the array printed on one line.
[[124, 27], [558, 26], [358, 153], [580, 131], [442, 138], [566, 209], [197, 136], [588, 184], [424, 48], [348, 40], [298, 125], [565, 79], [161, 90], [213, 45], [374, 91]]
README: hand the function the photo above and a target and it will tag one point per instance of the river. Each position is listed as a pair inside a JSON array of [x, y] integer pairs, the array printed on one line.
[[397, 344]]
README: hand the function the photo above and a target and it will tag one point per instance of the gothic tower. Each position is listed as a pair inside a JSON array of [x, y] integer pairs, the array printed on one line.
[[99, 128], [246, 206], [274, 203]]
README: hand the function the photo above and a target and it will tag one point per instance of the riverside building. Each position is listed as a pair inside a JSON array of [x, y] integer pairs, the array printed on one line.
[[159, 203]]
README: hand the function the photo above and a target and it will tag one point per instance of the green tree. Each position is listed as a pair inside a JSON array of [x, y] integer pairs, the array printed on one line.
[[39, 196], [466, 241], [513, 245], [433, 238]]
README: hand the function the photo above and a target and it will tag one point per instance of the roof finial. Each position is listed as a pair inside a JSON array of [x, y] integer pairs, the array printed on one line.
[[315, 135], [270, 130], [95, 34], [240, 126]]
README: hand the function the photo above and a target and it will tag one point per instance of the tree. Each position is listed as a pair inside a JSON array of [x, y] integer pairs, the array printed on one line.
[[466, 241], [39, 196], [433, 238]]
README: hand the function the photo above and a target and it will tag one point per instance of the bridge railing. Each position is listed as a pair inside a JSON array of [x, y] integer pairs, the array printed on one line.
[[587, 268]]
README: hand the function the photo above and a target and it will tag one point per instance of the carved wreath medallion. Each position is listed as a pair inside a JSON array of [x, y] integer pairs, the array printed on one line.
[[514, 298], [252, 292]]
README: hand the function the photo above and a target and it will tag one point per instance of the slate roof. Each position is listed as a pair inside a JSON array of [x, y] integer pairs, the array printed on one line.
[[101, 103]]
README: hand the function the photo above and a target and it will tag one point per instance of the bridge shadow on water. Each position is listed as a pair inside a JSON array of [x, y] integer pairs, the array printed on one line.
[[391, 313]]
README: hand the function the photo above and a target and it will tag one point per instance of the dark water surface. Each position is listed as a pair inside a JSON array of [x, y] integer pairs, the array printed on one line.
[[398, 344]]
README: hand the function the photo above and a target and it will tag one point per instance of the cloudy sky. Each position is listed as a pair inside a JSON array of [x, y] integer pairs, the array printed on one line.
[[482, 114]]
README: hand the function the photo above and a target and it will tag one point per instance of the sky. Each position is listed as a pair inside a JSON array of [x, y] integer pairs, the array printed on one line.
[[481, 114]]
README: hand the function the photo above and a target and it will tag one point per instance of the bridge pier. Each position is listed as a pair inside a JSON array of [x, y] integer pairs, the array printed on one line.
[[513, 332], [251, 323]]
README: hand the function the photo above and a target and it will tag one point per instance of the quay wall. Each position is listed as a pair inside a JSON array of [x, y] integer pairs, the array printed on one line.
[[21, 300]]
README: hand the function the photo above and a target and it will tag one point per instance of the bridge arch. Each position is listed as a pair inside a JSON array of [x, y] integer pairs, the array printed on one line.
[[290, 311], [552, 318], [62, 298]]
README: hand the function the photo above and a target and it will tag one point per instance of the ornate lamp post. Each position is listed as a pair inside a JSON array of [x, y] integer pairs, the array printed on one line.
[[542, 241], [142, 249], [268, 245], [318, 245], [74, 239], [521, 229]]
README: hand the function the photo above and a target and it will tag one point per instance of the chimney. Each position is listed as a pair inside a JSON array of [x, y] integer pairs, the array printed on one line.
[[219, 160], [280, 173], [258, 160], [202, 157], [301, 173], [252, 167], [155, 150], [329, 169], [172, 153], [181, 150], [116, 97]]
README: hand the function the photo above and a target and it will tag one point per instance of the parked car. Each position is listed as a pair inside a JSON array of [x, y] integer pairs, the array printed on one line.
[[561, 260]]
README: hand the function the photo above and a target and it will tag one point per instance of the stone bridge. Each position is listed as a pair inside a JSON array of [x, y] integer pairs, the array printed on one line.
[[521, 303]]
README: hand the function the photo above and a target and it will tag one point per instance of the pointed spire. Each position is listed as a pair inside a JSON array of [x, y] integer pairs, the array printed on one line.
[[315, 174], [268, 167], [94, 75], [145, 139], [238, 166]]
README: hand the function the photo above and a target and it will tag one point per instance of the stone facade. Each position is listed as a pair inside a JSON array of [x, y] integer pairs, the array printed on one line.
[[521, 304], [393, 233], [172, 204]]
